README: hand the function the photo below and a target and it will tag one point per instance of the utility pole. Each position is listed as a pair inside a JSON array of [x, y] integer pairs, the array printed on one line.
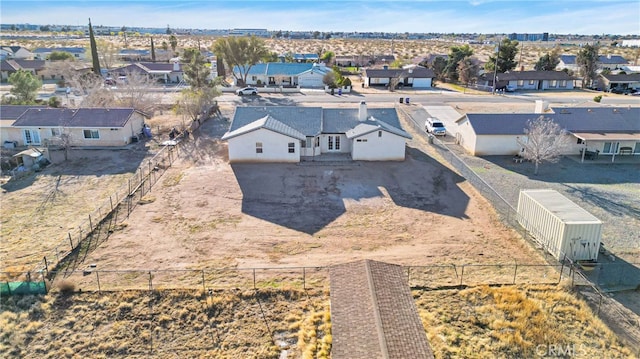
[[495, 69]]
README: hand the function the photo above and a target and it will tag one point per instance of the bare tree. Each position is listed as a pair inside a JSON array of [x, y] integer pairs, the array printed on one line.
[[545, 141], [64, 141], [196, 104], [135, 92], [107, 53], [467, 71]]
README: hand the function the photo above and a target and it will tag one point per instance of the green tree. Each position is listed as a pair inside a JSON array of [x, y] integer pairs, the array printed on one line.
[[196, 73], [94, 51], [61, 56], [587, 61], [54, 102], [271, 57], [25, 87], [439, 66], [328, 56], [173, 42], [165, 46], [548, 62], [507, 51], [456, 54], [240, 53], [468, 71]]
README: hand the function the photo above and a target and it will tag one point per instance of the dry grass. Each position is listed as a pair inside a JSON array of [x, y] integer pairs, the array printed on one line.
[[513, 322], [508, 322], [140, 324]]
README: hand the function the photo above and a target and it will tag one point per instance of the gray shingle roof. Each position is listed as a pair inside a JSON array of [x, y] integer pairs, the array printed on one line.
[[12, 112], [573, 119], [84, 117], [417, 72], [622, 77], [269, 123], [604, 59], [373, 313], [534, 75], [312, 121], [307, 120]]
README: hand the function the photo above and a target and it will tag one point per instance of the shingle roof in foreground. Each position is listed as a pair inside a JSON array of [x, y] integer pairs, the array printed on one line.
[[373, 313]]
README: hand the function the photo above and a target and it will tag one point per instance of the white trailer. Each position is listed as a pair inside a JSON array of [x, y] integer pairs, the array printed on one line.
[[559, 225]]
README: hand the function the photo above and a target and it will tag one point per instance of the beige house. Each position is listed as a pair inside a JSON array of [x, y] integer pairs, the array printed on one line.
[[87, 127]]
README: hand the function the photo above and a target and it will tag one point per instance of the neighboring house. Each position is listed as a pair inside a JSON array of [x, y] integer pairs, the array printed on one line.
[[619, 82], [8, 115], [536, 80], [88, 127], [8, 67], [612, 131], [15, 52], [43, 53], [418, 76], [610, 62], [289, 134], [285, 74], [134, 55], [158, 71], [300, 57]]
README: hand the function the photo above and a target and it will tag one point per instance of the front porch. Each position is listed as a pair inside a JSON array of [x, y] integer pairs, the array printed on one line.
[[606, 158]]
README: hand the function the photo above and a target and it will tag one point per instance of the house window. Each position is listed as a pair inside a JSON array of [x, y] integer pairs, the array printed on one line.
[[258, 147], [636, 149], [31, 137], [91, 134], [337, 142], [254, 78], [292, 147], [579, 141], [610, 147], [309, 142], [317, 141], [563, 83], [532, 82], [330, 144], [361, 140], [55, 132], [553, 83], [520, 83], [379, 133]]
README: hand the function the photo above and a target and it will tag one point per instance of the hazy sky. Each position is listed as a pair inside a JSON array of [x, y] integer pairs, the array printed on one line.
[[589, 17]]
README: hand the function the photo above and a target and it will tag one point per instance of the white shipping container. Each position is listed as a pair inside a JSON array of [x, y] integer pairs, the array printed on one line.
[[559, 225]]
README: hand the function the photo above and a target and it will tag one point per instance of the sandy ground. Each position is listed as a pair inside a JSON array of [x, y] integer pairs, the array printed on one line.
[[209, 214]]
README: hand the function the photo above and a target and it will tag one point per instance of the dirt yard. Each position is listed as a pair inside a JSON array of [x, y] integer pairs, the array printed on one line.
[[210, 214]]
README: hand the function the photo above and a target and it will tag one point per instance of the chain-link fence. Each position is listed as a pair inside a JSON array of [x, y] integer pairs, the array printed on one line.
[[97, 225]]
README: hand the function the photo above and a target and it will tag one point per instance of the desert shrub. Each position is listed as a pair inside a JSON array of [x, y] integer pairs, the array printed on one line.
[[597, 98], [66, 286]]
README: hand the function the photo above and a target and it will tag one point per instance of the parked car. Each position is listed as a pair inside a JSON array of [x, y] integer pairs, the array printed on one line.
[[435, 127], [247, 91]]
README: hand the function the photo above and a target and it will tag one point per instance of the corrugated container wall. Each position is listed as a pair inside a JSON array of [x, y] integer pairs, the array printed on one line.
[[559, 225]]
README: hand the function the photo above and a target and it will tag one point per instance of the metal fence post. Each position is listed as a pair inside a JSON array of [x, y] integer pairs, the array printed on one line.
[[304, 278], [461, 274], [70, 241], [515, 272], [98, 280], [150, 283], [90, 224], [46, 265], [204, 287], [409, 276], [254, 278], [111, 202]]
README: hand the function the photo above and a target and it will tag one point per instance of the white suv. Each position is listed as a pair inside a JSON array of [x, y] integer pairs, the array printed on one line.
[[435, 127]]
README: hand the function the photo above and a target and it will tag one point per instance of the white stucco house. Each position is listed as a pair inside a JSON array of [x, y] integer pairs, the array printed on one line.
[[416, 76], [292, 134], [303, 74], [609, 131]]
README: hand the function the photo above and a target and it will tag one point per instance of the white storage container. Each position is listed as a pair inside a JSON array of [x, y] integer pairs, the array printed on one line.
[[559, 225]]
